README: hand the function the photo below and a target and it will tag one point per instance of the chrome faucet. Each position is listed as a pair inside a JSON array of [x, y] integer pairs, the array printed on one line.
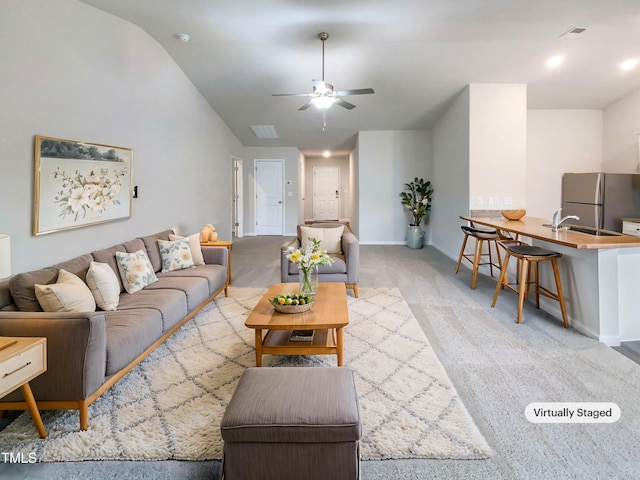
[[557, 220]]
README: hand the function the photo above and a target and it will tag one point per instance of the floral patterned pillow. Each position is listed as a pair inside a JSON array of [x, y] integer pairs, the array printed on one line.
[[175, 255], [135, 270]]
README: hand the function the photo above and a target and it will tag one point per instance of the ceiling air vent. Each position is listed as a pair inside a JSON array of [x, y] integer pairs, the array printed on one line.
[[573, 33], [264, 131]]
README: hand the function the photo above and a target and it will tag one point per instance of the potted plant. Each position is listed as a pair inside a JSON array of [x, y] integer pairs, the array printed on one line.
[[417, 198]]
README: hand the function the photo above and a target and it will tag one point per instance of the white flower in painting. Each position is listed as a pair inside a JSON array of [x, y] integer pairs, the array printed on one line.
[[115, 188], [97, 204], [78, 198], [93, 190]]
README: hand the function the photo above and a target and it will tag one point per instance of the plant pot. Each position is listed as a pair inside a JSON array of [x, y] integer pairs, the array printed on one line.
[[415, 236]]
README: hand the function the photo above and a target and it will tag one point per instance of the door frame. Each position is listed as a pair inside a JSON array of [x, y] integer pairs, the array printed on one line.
[[237, 203], [255, 189]]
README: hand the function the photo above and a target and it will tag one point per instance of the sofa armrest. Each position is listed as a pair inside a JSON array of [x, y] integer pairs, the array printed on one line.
[[284, 261], [76, 352], [351, 251], [215, 255]]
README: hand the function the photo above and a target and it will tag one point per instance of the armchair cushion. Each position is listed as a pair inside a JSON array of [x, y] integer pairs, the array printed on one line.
[[330, 238]]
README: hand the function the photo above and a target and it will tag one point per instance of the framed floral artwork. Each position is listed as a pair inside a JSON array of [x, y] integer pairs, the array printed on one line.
[[78, 184]]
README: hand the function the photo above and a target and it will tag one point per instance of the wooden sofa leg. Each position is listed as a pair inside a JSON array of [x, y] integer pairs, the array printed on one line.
[[353, 287], [84, 415]]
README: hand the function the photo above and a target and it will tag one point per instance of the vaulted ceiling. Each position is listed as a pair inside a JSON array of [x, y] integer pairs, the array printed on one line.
[[416, 54]]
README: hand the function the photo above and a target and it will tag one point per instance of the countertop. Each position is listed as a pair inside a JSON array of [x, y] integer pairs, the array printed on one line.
[[533, 227]]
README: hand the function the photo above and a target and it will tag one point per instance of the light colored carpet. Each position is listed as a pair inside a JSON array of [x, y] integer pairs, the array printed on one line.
[[170, 406]]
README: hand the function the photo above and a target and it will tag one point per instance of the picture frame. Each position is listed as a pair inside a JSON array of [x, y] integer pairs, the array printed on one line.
[[79, 184]]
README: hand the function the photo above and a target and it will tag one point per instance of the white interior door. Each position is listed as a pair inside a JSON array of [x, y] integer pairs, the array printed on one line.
[[326, 193], [269, 196]]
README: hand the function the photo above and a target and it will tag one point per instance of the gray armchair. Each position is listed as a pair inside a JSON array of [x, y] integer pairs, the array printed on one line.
[[345, 266]]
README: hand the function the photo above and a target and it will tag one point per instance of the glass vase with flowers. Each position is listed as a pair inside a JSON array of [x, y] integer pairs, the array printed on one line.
[[308, 259]]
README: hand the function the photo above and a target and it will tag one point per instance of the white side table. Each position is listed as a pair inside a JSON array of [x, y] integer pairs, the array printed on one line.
[[21, 360]]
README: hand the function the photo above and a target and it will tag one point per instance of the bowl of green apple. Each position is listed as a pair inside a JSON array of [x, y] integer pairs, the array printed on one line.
[[291, 302]]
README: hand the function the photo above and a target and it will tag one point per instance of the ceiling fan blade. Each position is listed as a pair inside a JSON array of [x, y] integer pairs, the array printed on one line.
[[358, 91], [342, 103], [306, 105], [292, 94]]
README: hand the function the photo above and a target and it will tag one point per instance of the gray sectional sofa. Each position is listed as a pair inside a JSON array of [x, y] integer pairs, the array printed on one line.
[[88, 352]]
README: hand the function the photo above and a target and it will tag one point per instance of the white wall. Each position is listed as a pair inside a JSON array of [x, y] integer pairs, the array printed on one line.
[[497, 145], [291, 157], [386, 161], [558, 142], [450, 175], [74, 72], [621, 122], [354, 163]]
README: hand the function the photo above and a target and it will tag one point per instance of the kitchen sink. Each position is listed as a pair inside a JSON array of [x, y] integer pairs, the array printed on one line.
[[587, 230]]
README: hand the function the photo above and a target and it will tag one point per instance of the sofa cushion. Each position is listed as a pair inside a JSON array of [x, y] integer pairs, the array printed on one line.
[[196, 289], [194, 245], [136, 271], [151, 244], [108, 256], [175, 255], [22, 285], [172, 304], [68, 294], [330, 238], [216, 275], [129, 333], [104, 285]]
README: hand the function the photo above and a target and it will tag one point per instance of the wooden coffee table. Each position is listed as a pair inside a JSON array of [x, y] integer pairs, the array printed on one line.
[[327, 317]]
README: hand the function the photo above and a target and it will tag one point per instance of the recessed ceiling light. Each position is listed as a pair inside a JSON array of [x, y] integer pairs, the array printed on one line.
[[326, 154], [555, 61], [629, 64]]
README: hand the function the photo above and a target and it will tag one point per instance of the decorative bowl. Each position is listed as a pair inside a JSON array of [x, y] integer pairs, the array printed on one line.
[[513, 214], [278, 303], [291, 308]]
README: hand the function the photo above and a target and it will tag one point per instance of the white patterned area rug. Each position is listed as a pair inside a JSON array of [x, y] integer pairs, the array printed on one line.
[[170, 406]]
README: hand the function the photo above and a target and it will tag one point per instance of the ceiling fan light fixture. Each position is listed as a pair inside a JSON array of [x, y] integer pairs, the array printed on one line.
[[323, 102]]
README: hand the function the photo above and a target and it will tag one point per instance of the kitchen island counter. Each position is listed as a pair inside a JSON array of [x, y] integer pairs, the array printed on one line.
[[534, 227], [600, 276]]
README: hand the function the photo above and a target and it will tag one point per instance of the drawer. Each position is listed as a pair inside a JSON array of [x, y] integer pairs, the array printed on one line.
[[19, 369], [631, 228]]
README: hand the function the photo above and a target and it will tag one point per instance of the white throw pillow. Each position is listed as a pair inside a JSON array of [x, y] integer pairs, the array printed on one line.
[[330, 238], [194, 245], [175, 255], [68, 294], [136, 270], [104, 285]]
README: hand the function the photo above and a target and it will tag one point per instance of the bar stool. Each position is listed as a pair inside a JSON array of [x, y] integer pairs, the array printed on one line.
[[530, 254], [480, 236]]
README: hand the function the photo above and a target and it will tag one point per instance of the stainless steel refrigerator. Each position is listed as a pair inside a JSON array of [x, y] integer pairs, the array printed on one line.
[[601, 200]]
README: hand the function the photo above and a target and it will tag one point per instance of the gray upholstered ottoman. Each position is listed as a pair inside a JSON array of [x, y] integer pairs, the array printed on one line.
[[293, 423]]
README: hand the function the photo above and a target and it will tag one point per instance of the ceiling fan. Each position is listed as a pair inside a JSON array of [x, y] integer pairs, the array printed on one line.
[[324, 95]]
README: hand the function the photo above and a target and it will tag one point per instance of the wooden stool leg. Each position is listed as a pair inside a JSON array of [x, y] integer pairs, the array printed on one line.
[[563, 309], [489, 242], [523, 287], [464, 245], [536, 284], [501, 280], [476, 262]]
